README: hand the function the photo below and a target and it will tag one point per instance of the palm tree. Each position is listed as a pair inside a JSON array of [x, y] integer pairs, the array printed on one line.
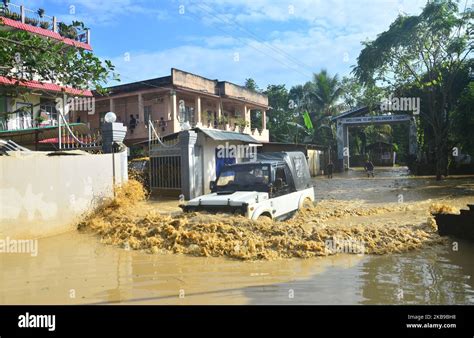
[[321, 96], [325, 91]]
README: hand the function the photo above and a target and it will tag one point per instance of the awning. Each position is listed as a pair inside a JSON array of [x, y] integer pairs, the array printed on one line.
[[215, 134], [222, 135], [45, 86]]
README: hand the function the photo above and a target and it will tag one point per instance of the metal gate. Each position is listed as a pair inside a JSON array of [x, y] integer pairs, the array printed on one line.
[[165, 163], [165, 172]]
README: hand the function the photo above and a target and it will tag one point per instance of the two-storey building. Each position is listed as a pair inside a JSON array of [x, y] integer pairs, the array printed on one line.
[[28, 113], [179, 102]]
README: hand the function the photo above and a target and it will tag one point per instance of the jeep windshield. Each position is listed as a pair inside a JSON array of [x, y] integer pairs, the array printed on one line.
[[245, 177]]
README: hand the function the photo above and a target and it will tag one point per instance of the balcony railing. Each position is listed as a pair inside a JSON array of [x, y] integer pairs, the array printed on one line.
[[17, 121], [39, 19]]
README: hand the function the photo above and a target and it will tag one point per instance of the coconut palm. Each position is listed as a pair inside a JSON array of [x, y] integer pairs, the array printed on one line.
[[321, 97], [324, 93]]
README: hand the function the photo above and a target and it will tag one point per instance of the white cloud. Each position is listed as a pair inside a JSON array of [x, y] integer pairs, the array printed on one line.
[[257, 60], [108, 11], [326, 34], [336, 12], [211, 41]]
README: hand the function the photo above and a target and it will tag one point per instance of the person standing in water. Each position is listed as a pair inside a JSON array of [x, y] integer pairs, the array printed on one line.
[[330, 169], [369, 168]]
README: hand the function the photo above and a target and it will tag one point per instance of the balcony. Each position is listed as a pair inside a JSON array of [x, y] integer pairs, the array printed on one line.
[[37, 22], [23, 121]]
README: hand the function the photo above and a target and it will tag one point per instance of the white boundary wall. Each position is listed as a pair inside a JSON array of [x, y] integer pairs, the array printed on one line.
[[43, 195]]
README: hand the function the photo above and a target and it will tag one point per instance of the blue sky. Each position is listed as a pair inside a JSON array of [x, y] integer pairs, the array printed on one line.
[[272, 41]]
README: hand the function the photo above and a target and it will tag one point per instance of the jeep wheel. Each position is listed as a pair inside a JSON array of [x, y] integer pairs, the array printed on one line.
[[264, 216]]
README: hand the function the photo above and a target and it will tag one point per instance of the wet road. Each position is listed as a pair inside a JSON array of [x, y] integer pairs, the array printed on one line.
[[76, 269]]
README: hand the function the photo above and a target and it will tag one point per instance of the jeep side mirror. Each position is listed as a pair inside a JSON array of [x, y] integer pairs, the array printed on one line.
[[212, 185]]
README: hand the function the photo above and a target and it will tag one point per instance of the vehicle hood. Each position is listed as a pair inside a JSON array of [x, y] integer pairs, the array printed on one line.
[[235, 199]]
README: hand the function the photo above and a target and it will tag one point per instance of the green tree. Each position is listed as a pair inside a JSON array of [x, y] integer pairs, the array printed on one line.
[[463, 121], [25, 57], [252, 85], [324, 92], [255, 114], [426, 53], [357, 94], [279, 114], [322, 99]]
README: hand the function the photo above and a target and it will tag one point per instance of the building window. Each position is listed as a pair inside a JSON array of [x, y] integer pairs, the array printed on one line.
[[185, 113], [23, 115], [49, 108]]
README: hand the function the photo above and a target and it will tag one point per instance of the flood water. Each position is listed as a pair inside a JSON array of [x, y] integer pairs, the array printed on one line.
[[75, 268]]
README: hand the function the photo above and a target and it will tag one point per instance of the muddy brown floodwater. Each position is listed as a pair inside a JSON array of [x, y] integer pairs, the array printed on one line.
[[87, 268]]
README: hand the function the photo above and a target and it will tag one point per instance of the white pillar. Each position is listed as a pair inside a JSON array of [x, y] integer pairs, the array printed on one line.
[[264, 119], [197, 110], [22, 14], [219, 112], [141, 108], [248, 120], [172, 110]]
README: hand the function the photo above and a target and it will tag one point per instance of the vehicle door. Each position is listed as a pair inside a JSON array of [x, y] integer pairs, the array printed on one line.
[[283, 200]]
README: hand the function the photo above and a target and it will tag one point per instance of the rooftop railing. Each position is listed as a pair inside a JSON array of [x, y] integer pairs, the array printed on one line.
[[38, 18]]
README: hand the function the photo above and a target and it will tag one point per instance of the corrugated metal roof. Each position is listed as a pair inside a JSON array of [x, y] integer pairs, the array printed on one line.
[[222, 135]]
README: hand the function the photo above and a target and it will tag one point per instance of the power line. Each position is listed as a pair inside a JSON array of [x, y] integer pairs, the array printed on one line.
[[193, 15], [274, 48], [250, 45]]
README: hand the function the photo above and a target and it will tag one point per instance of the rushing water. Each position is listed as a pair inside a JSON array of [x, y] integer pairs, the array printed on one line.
[[74, 268]]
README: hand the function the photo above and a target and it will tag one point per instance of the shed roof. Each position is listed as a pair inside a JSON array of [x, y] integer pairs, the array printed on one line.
[[222, 135]]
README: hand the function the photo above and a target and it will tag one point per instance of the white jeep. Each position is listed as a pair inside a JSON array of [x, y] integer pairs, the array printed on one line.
[[274, 186]]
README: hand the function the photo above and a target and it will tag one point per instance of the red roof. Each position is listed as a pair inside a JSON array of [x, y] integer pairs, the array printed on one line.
[[44, 32], [45, 86]]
